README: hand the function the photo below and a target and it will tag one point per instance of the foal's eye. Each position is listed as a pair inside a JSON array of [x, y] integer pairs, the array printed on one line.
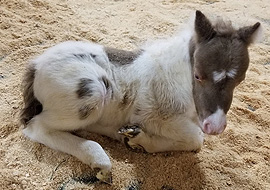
[[197, 77]]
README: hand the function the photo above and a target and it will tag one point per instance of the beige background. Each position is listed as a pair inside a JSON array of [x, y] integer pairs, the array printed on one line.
[[237, 159]]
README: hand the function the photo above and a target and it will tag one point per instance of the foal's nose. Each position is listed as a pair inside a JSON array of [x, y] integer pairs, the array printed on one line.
[[215, 124], [212, 129]]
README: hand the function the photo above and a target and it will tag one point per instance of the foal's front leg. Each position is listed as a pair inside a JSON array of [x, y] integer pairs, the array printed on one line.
[[89, 152], [136, 138]]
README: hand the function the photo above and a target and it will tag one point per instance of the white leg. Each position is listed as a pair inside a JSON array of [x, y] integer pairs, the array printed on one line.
[[189, 140], [160, 144], [87, 151]]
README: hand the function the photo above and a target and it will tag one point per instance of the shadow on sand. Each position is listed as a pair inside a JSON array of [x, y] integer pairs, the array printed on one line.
[[161, 171]]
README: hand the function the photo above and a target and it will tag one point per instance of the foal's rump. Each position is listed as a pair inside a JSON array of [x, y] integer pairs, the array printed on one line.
[[68, 81]]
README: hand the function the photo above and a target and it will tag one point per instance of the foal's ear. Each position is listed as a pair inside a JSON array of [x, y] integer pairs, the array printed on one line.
[[203, 27], [250, 34]]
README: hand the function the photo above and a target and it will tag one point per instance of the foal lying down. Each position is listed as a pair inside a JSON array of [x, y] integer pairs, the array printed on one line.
[[162, 97]]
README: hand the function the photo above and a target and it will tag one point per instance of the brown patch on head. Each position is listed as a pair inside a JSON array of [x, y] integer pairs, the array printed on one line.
[[217, 48], [85, 111], [84, 88], [121, 57], [32, 106]]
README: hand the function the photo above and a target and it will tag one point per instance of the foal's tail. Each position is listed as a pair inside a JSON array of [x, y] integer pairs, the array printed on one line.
[[32, 106]]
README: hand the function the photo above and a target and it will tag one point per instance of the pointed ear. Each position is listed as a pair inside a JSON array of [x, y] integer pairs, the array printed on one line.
[[250, 34], [203, 27]]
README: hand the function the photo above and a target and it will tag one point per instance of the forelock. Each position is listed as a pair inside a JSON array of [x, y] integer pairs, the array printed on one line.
[[223, 27]]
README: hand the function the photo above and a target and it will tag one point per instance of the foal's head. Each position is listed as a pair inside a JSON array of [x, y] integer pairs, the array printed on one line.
[[220, 59]]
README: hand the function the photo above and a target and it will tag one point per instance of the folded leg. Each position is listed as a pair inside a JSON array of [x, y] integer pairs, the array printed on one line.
[[137, 138]]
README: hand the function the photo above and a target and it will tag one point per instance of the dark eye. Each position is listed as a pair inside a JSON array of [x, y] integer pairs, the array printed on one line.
[[197, 77]]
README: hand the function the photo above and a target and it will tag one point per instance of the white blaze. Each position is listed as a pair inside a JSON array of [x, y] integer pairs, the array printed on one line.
[[232, 73], [219, 76]]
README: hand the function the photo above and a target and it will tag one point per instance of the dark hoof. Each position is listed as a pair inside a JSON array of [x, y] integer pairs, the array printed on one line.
[[130, 131], [133, 147], [105, 177]]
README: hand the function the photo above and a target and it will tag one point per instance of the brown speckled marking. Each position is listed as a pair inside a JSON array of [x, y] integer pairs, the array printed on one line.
[[84, 88], [137, 110], [84, 56], [106, 82], [85, 111], [126, 98], [108, 85], [129, 95]]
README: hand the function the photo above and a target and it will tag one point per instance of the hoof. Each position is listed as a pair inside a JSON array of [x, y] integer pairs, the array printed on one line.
[[130, 131], [105, 177], [132, 146]]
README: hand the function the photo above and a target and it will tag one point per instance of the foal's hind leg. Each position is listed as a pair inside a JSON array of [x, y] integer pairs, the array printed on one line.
[[89, 152]]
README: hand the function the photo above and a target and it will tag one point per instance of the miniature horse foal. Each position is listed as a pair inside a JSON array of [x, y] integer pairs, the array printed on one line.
[[160, 98]]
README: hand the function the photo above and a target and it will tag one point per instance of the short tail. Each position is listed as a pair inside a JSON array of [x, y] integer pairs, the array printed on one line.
[[32, 106]]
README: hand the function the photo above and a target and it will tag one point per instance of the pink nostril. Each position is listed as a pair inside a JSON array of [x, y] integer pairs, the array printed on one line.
[[211, 129], [207, 127]]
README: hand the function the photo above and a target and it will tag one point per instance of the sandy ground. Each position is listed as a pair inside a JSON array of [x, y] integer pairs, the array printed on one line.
[[237, 159]]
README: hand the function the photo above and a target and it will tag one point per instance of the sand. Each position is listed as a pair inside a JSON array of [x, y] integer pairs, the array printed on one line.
[[237, 159]]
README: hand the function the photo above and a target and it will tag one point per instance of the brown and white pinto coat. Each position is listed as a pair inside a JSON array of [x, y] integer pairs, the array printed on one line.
[[160, 98]]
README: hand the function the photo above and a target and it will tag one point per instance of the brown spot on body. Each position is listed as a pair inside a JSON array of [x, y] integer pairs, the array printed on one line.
[[129, 94], [84, 56], [106, 82], [137, 110], [93, 55], [32, 106], [81, 56], [85, 111], [84, 88], [108, 85], [126, 98], [121, 57]]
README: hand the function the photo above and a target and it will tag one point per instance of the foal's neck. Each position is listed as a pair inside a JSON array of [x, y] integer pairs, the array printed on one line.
[[176, 53], [168, 58]]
